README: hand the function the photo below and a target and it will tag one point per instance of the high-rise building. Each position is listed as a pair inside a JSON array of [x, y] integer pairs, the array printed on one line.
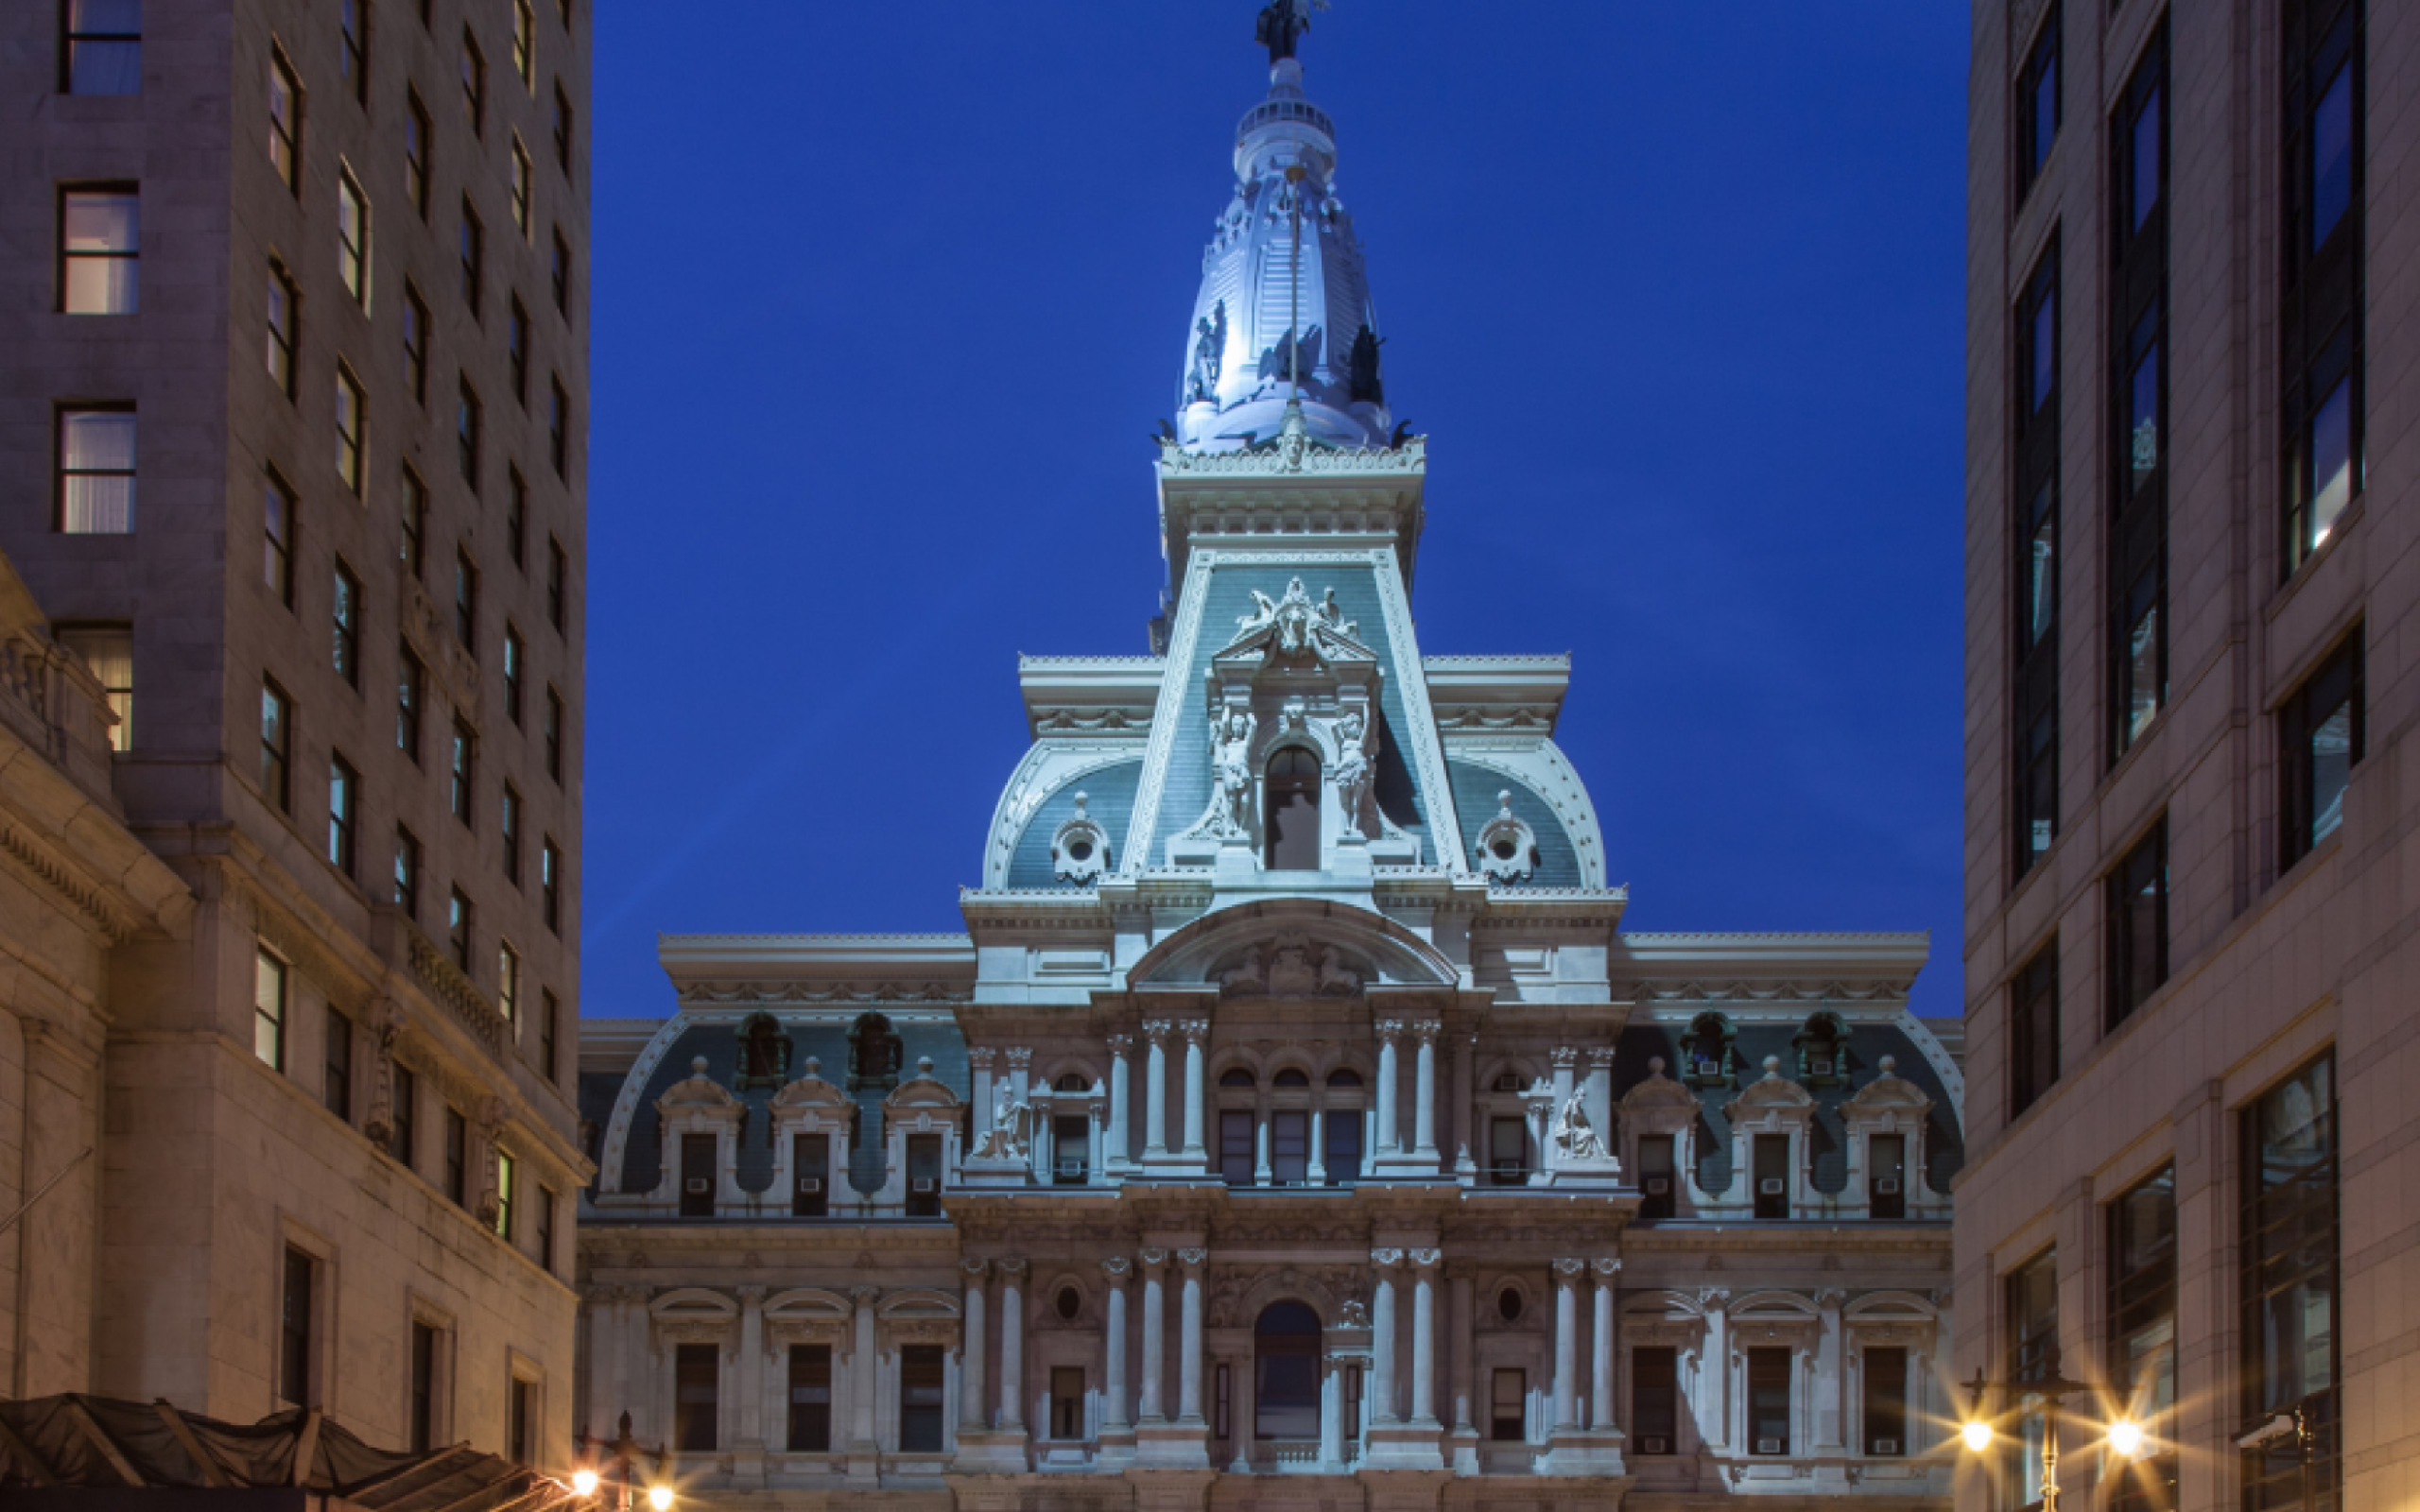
[[1294, 1121], [2190, 949], [293, 383]]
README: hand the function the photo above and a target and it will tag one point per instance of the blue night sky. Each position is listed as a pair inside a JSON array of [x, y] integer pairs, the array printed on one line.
[[887, 297]]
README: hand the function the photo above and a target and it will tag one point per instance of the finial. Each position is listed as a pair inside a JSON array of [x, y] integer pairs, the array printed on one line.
[[1656, 1065], [924, 1065], [815, 1065], [1079, 807], [1890, 1064], [1772, 1065], [697, 1065]]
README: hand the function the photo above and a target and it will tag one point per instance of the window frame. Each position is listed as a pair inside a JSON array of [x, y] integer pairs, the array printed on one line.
[[2322, 290], [70, 38], [277, 746], [62, 419], [68, 257], [344, 814], [2299, 720], [353, 252], [2136, 571], [272, 1000], [2034, 1028], [279, 536], [353, 48], [285, 344], [2129, 982], [352, 447], [286, 136]]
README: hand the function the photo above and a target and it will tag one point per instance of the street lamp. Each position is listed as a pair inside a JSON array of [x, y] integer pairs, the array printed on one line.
[[620, 1456], [2125, 1435]]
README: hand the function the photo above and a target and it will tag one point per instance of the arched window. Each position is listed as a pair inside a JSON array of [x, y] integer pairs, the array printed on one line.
[[1236, 1078], [764, 1052], [1073, 1082], [1289, 1077], [1344, 1078], [1285, 1372], [1293, 807], [874, 1053]]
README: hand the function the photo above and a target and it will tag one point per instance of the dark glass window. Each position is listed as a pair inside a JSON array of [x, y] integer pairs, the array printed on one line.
[[277, 539], [550, 1013], [403, 1140], [697, 1392], [516, 350], [104, 52], [698, 1161], [1234, 1146], [810, 1172], [474, 87], [558, 428], [2137, 575], [1886, 1402], [1508, 1407], [563, 130], [457, 929], [1067, 1402], [284, 122], [810, 1398], [294, 1351], [473, 252], [1655, 1399], [1886, 1176], [514, 656], [466, 602], [516, 515], [407, 873], [1070, 1149], [462, 754], [1771, 1158], [344, 802], [420, 1430], [2033, 1290], [345, 605], [545, 1215], [335, 1073], [1656, 1176], [551, 884], [924, 1175], [1291, 806], [409, 679], [466, 434], [557, 566], [415, 520], [277, 739], [1768, 1401], [1341, 1156], [1289, 1147], [2037, 104], [2320, 326], [1508, 1150], [517, 1395], [508, 824], [285, 317], [416, 143], [2320, 734], [554, 734], [2290, 1253], [352, 56], [2142, 1335], [559, 273], [458, 1155], [921, 1387], [2034, 1029], [2034, 715], [1285, 1372], [2137, 924], [415, 345]]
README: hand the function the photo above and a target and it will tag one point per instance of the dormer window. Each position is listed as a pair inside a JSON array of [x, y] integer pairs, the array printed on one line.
[[873, 1054], [1823, 1045], [1707, 1059], [1292, 810], [764, 1053]]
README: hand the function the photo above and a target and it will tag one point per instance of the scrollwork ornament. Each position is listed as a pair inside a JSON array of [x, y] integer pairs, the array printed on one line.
[[1569, 1269], [1386, 1259]]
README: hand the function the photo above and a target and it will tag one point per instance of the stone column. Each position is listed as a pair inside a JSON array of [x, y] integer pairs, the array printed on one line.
[[1262, 1173], [1239, 1413], [1122, 1142], [1465, 1355], [1112, 1390], [1011, 1345], [1465, 1122], [1155, 1086], [1423, 1333], [1188, 1360], [1566, 1345], [1096, 1140], [1601, 1094], [1714, 1367], [639, 1366], [979, 1093], [1389, 1031], [1155, 1335], [752, 1367], [1382, 1334], [1423, 1108], [1197, 1032], [1331, 1415], [1831, 1372], [1601, 1386], [972, 1419], [1316, 1172], [861, 1387]]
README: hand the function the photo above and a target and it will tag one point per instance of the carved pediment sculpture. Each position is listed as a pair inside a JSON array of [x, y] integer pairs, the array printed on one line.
[[1292, 966]]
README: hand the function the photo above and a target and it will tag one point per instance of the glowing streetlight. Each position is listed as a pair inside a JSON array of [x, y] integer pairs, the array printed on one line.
[[659, 1497], [1977, 1435], [2126, 1437], [584, 1482], [623, 1457]]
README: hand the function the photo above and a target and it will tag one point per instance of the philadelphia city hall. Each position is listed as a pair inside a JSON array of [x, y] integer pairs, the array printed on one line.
[[1294, 1125]]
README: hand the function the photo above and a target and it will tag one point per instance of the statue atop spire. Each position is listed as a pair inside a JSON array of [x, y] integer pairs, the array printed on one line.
[[1282, 25]]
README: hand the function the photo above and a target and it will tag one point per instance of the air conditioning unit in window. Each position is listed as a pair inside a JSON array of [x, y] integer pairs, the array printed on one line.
[[1886, 1186], [924, 1186], [1654, 1446], [809, 1185], [1772, 1186], [697, 1186], [1071, 1165], [1767, 1446], [1819, 1066], [1658, 1185], [1709, 1068], [1886, 1446]]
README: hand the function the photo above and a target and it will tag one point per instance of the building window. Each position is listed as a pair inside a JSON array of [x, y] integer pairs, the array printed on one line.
[[2290, 1251], [810, 1168], [345, 651], [1067, 1402], [514, 655], [508, 818], [519, 187], [2320, 734], [474, 247], [1886, 1403], [269, 1009], [415, 518], [277, 539], [1234, 1146], [466, 602], [516, 516], [563, 130], [407, 873], [560, 272], [2033, 1293], [1655, 1399], [1285, 1372], [551, 884], [2320, 334], [277, 743], [554, 733], [458, 1158], [335, 1075], [461, 758], [283, 316], [421, 1411], [550, 1017], [2035, 727], [507, 982], [2038, 105], [1768, 1402], [104, 54], [2137, 924], [1289, 1145], [99, 251], [2142, 1333], [697, 1378], [294, 1320], [1886, 1176], [457, 929], [1340, 1153], [352, 239], [408, 695], [466, 434], [415, 147], [344, 798], [474, 85], [403, 1140], [415, 345], [1291, 809], [284, 122], [810, 1427], [2137, 574], [525, 44], [559, 427], [516, 350], [545, 1214], [1507, 1402], [109, 651], [352, 426], [920, 1399], [508, 1179], [558, 567], [353, 30], [924, 1175], [698, 1176], [97, 471], [1769, 1157], [1656, 1176], [2034, 1029], [519, 1410], [1508, 1150]]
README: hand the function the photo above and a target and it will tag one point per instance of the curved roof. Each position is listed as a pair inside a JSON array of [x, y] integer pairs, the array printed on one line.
[[1476, 802], [1108, 795]]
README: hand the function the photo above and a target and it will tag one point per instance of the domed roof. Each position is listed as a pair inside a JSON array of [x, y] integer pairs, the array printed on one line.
[[1282, 259]]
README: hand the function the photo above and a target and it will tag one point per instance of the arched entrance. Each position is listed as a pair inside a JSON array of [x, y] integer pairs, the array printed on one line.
[[1285, 1372], [1292, 804]]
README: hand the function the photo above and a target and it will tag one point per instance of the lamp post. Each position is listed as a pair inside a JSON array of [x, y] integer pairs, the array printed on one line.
[[621, 1455], [2125, 1435]]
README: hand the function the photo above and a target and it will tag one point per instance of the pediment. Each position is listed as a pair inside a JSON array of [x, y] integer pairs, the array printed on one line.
[[1292, 949], [1770, 1094], [924, 1090], [697, 1090], [810, 1091], [1887, 1093], [1295, 631], [1658, 1091]]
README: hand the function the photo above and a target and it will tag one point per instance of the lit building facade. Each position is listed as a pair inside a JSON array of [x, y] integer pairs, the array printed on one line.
[[1293, 1119]]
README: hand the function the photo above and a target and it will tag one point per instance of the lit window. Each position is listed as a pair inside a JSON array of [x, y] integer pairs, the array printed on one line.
[[104, 47], [507, 980], [505, 1172], [350, 423], [97, 471], [99, 251], [282, 319], [284, 122], [345, 796], [277, 541], [269, 1009], [277, 739], [2320, 735], [109, 651], [345, 654], [352, 239]]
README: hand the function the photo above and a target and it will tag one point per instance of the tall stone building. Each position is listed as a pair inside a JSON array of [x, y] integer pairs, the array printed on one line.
[[292, 388], [2189, 941], [1294, 1121]]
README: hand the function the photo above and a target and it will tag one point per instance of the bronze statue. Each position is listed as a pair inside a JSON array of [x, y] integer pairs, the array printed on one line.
[[1282, 25]]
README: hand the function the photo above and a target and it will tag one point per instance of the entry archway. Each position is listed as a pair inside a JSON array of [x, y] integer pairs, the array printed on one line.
[[1285, 1372]]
